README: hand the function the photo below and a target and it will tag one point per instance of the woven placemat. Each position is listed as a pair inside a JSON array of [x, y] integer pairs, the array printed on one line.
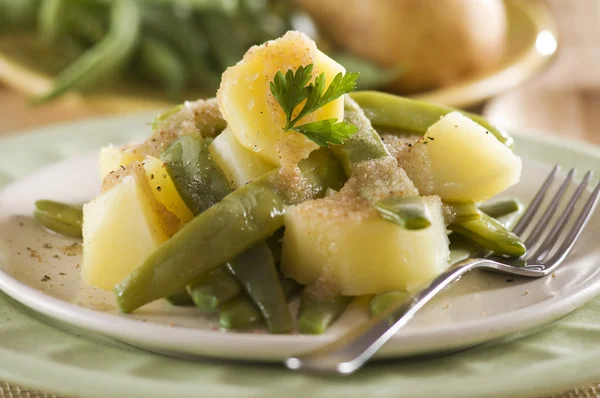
[[12, 391]]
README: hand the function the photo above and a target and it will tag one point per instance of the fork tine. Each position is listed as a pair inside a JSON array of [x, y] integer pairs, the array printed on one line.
[[561, 223], [541, 225], [582, 220], [535, 204]]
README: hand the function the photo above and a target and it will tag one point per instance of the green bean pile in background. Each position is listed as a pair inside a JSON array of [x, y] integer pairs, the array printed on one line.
[[177, 46], [235, 273]]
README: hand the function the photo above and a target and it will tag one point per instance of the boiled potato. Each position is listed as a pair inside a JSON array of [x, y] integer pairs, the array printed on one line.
[[358, 251], [240, 165], [251, 111], [463, 161], [112, 158], [433, 42], [122, 227], [163, 188]]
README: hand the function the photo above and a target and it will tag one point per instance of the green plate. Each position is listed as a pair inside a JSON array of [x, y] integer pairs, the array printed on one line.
[[41, 353]]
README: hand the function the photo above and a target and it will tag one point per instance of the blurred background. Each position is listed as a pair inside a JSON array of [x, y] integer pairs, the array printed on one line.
[[530, 64]]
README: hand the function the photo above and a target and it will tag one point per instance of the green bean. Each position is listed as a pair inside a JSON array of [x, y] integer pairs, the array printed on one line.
[[492, 235], [275, 243], [18, 15], [201, 184], [182, 33], [457, 212], [462, 248], [49, 18], [61, 218], [392, 112], [163, 65], [213, 289], [316, 314], [381, 302], [181, 298], [107, 57], [255, 269], [499, 207], [223, 39], [223, 6], [197, 178], [408, 212], [242, 313], [365, 145], [243, 218]]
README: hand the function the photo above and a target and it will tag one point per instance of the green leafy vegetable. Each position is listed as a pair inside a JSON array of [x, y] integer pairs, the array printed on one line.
[[291, 89]]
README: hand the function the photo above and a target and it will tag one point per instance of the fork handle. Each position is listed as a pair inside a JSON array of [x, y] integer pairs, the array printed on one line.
[[351, 351]]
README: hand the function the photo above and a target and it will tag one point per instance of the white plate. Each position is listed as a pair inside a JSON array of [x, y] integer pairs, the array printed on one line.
[[481, 307]]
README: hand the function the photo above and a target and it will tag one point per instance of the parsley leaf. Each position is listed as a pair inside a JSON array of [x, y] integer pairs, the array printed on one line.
[[327, 131], [291, 89]]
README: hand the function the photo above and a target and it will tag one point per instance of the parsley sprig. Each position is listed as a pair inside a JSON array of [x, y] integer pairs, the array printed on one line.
[[291, 89]]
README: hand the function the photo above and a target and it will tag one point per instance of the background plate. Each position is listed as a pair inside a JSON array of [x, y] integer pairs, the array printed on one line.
[[27, 67], [35, 354], [42, 271]]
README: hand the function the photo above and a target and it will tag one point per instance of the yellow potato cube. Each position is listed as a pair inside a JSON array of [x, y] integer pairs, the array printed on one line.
[[239, 165], [352, 247], [112, 158], [463, 161], [164, 189], [251, 111], [122, 227]]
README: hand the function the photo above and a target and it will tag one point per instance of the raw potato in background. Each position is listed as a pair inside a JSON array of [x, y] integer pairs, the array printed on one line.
[[435, 42]]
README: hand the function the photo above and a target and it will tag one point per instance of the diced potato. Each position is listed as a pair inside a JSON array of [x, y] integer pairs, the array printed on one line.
[[122, 227], [164, 189], [358, 251], [251, 111], [239, 164], [467, 163], [111, 158]]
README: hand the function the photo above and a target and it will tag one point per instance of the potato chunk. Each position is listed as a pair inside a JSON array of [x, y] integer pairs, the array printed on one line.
[[112, 158], [251, 111], [121, 227], [345, 241], [164, 189], [240, 165], [459, 160]]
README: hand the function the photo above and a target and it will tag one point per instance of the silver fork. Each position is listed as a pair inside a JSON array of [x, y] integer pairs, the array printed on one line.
[[350, 352]]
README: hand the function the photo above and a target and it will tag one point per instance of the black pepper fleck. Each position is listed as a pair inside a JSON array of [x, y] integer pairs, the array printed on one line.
[[46, 278], [510, 279]]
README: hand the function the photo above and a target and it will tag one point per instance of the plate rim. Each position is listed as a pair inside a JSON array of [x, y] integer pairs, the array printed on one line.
[[24, 363], [116, 326]]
